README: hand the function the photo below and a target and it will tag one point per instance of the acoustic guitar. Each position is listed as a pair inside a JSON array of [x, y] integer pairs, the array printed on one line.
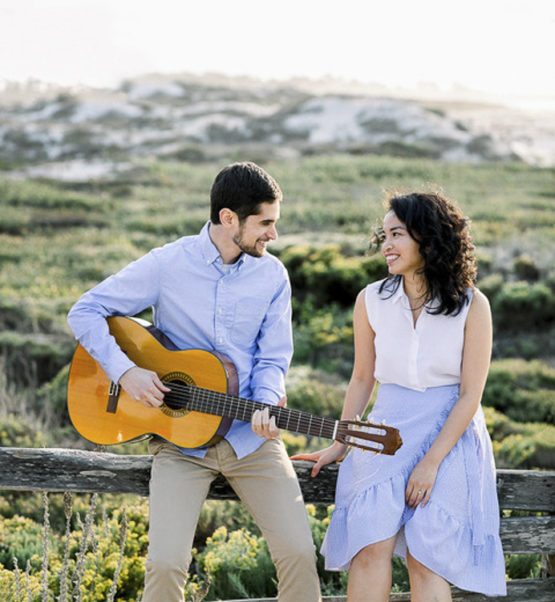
[[201, 405]]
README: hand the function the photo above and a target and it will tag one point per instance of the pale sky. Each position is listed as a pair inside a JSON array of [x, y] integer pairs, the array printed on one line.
[[499, 46]]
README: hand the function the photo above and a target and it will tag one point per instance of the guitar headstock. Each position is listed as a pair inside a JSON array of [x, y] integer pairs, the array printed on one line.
[[369, 436]]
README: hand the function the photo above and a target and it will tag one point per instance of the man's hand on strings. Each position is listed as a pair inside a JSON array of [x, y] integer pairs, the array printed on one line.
[[144, 386]]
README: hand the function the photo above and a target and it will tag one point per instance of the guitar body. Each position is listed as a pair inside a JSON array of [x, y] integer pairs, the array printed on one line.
[[106, 415], [201, 404]]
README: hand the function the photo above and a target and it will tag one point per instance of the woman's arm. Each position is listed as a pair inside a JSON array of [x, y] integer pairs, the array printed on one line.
[[360, 386], [474, 370]]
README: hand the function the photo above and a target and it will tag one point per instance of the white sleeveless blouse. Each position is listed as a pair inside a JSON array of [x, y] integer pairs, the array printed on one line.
[[417, 357]]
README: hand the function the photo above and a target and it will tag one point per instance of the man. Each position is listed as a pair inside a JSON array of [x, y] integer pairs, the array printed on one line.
[[221, 292]]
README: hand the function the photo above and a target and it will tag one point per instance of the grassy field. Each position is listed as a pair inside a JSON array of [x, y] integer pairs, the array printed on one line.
[[58, 239]]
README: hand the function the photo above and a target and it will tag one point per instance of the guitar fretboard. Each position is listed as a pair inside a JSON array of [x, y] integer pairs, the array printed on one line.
[[222, 404]]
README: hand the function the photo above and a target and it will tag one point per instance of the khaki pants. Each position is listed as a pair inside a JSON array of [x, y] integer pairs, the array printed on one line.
[[266, 483]]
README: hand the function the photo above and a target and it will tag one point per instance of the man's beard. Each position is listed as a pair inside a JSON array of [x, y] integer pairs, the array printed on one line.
[[251, 250]]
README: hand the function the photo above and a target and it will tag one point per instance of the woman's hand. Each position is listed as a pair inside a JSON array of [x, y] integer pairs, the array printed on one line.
[[331, 454], [421, 482]]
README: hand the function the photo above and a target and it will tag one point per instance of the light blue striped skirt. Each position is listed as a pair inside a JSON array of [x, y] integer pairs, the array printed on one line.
[[456, 534]]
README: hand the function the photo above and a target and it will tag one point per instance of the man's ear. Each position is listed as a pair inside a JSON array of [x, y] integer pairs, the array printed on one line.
[[228, 217]]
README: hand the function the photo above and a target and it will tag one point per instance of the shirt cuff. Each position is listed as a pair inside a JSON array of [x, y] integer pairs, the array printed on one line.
[[118, 368]]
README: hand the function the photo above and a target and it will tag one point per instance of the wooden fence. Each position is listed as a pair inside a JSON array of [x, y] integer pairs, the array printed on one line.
[[59, 470]]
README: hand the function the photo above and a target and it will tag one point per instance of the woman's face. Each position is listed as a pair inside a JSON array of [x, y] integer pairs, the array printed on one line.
[[400, 250]]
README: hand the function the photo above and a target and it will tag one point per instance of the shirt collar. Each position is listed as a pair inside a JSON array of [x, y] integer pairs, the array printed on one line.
[[399, 294], [209, 250]]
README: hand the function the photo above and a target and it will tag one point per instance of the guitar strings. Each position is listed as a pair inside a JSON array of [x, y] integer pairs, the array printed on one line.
[[206, 396], [204, 399]]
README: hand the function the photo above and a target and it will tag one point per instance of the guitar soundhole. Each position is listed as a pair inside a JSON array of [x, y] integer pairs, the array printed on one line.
[[175, 402]]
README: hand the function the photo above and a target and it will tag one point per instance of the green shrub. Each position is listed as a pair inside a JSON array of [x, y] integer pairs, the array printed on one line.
[[523, 390], [14, 222], [29, 504], [168, 226], [54, 394], [533, 406], [87, 559], [491, 285], [13, 314], [16, 586], [532, 448], [324, 339], [498, 425], [297, 444], [520, 305], [520, 444], [316, 392], [40, 195], [17, 431], [238, 565], [525, 268], [399, 148], [222, 513], [485, 263], [400, 575], [515, 451], [523, 566], [328, 276], [33, 357], [20, 538]]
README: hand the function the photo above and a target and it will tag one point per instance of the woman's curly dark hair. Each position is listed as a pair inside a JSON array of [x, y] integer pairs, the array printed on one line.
[[442, 232]]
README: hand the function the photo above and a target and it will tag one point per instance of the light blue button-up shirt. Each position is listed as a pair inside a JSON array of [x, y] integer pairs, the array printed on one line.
[[242, 311]]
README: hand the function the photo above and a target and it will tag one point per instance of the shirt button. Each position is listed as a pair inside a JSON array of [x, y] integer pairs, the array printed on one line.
[[219, 310], [220, 340]]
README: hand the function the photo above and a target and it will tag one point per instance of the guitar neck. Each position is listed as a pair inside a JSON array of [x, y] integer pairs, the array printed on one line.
[[222, 404]]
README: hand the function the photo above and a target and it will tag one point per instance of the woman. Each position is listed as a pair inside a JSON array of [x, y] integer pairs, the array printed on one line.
[[424, 333]]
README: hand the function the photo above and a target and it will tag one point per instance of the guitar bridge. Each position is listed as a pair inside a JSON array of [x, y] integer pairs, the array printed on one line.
[[113, 398]]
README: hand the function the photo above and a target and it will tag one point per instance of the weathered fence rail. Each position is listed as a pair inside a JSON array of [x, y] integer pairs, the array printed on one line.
[[59, 470]]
